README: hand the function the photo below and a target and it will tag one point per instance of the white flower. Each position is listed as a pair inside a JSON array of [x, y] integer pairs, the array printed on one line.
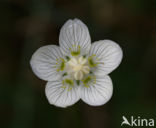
[[77, 69]]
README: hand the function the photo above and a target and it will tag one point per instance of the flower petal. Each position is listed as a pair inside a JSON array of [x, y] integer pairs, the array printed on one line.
[[74, 38], [107, 56], [46, 62], [62, 95], [97, 92]]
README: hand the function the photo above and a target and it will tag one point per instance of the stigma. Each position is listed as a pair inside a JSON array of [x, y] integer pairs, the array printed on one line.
[[77, 67]]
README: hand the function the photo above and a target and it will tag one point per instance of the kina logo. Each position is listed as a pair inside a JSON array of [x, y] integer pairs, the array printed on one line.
[[137, 121]]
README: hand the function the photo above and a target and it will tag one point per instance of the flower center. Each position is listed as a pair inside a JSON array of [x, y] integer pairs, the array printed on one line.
[[77, 67]]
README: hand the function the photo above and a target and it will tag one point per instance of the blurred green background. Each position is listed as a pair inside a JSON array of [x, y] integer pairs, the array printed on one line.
[[26, 25]]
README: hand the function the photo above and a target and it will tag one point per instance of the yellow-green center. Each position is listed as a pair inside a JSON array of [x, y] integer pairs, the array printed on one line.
[[77, 67]]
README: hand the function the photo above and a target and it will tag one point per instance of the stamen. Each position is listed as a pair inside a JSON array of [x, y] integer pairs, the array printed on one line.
[[69, 83], [88, 80], [62, 64], [93, 63], [75, 53], [64, 87], [70, 88]]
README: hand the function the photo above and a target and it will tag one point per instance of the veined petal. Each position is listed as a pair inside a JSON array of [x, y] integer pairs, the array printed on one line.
[[62, 93], [105, 56], [47, 62], [74, 38], [96, 91]]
